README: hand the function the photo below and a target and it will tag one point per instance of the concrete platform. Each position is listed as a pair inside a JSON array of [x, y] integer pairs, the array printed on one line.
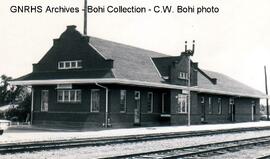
[[18, 134]]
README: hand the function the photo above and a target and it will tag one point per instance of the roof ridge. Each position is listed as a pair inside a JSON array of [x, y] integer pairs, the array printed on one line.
[[129, 46]]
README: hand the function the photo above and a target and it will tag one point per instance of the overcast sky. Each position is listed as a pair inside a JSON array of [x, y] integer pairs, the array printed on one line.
[[236, 41]]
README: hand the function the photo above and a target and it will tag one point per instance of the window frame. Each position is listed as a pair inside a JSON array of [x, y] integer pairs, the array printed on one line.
[[65, 63], [91, 101], [62, 91], [125, 102], [151, 102], [163, 102], [183, 99], [210, 105], [42, 108], [183, 75], [202, 100], [219, 106]]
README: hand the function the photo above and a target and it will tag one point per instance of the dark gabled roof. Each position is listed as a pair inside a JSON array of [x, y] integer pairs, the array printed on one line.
[[136, 64], [225, 84], [129, 62]]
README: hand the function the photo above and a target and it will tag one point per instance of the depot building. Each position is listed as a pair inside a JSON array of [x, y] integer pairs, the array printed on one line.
[[89, 82]]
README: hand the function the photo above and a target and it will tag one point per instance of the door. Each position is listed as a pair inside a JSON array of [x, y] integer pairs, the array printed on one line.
[[202, 110], [44, 100], [165, 103], [137, 110]]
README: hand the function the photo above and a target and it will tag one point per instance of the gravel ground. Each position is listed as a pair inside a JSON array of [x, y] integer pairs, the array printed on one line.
[[245, 153], [117, 149]]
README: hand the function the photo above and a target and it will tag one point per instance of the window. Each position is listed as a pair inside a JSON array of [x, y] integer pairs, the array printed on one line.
[[182, 103], [44, 100], [150, 102], [253, 106], [78, 95], [202, 100], [95, 100], [72, 96], [67, 65], [183, 75], [137, 95], [66, 95], [123, 101], [79, 64], [219, 105], [231, 103], [70, 64], [163, 103], [210, 108], [61, 65], [69, 96], [73, 64]]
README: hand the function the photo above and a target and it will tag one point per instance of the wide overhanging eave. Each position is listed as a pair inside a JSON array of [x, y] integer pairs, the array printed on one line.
[[134, 83]]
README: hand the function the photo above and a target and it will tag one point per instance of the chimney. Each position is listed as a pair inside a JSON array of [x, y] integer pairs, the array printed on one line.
[[214, 80], [72, 27], [193, 47]]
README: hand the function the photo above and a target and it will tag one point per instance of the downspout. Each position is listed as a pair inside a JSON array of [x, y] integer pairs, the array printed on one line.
[[32, 106], [106, 105]]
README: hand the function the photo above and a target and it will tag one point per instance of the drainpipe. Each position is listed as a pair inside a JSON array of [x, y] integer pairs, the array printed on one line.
[[32, 106], [106, 106]]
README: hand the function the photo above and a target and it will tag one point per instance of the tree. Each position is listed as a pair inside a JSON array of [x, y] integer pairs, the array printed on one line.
[[4, 89], [19, 95], [11, 94]]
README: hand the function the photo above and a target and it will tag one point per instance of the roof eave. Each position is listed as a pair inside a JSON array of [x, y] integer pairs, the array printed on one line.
[[104, 81], [205, 90], [133, 82]]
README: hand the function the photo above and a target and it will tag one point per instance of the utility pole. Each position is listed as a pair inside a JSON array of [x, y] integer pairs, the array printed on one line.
[[85, 18], [189, 98], [266, 91]]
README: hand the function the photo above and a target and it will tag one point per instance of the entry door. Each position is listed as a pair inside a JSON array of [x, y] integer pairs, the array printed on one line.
[[137, 110], [202, 110], [165, 103], [44, 100]]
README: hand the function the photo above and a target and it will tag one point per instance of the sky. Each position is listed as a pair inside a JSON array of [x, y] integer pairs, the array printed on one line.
[[235, 41]]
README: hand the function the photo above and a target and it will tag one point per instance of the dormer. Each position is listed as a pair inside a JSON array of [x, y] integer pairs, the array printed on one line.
[[175, 69], [72, 52], [179, 71]]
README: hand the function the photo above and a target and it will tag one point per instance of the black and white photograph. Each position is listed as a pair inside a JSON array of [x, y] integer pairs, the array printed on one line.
[[84, 79]]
